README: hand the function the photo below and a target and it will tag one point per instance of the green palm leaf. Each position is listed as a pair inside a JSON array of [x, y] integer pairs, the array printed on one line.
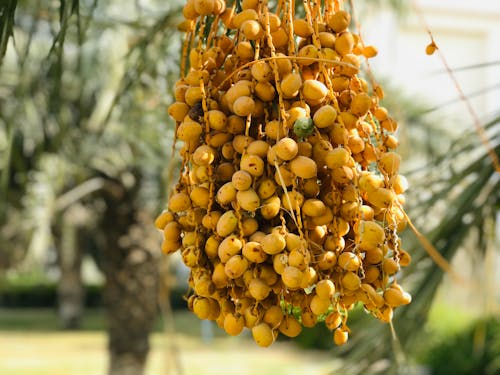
[[468, 195]]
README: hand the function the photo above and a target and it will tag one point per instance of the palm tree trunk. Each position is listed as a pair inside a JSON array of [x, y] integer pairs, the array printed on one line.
[[131, 289], [70, 286]]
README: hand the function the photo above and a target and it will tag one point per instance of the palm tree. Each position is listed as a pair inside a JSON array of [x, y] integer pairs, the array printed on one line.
[[456, 198], [83, 120], [59, 113]]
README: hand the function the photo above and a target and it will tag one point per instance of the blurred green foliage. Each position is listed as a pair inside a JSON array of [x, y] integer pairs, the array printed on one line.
[[84, 87], [473, 350], [43, 295]]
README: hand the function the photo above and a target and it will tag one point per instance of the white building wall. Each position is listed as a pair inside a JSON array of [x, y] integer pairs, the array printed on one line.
[[467, 33]]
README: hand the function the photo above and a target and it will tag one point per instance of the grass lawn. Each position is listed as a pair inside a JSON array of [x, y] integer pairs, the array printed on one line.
[[30, 344]]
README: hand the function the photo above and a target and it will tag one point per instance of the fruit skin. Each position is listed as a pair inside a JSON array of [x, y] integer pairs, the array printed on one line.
[[248, 200], [263, 335], [259, 289], [292, 277], [325, 116], [304, 167], [290, 326], [252, 164], [340, 336], [236, 266], [253, 251], [339, 21], [179, 202], [302, 28], [227, 223], [371, 234], [389, 163], [204, 155], [228, 247], [172, 231], [431, 48], [314, 90], [286, 148], [234, 324], [351, 281], [333, 320], [273, 243], [291, 84], [314, 207], [395, 296], [318, 305], [204, 7], [273, 316], [360, 104], [325, 289], [244, 106]]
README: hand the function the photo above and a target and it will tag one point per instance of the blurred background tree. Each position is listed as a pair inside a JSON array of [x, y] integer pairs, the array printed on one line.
[[82, 142]]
